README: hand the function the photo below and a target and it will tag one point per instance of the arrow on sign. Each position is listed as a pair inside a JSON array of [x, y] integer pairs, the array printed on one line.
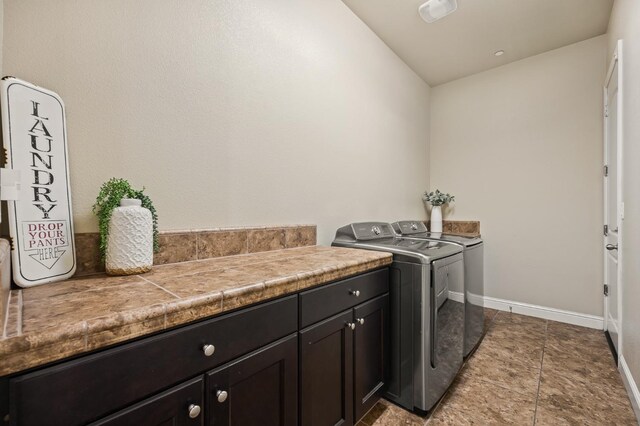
[[49, 262]]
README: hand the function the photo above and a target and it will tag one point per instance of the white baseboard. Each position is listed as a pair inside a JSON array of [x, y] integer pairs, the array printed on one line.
[[630, 384], [456, 296], [569, 317]]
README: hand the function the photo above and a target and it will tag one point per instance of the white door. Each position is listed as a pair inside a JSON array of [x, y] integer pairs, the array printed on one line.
[[613, 203]]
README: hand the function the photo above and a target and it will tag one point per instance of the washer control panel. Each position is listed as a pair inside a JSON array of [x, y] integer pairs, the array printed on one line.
[[372, 230], [408, 227]]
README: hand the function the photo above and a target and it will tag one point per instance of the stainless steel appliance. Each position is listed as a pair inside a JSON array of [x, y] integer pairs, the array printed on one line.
[[427, 326], [473, 290]]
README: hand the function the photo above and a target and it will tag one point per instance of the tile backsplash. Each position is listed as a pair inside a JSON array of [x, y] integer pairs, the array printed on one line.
[[182, 246], [463, 227]]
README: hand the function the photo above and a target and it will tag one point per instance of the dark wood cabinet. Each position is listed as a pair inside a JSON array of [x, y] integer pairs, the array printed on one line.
[[260, 389], [86, 389], [326, 369], [370, 353], [250, 367], [343, 364], [179, 406]]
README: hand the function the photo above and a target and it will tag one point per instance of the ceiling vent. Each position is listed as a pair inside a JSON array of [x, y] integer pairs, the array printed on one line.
[[433, 10]]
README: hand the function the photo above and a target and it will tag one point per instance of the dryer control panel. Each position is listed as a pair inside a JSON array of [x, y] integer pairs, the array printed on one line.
[[372, 230]]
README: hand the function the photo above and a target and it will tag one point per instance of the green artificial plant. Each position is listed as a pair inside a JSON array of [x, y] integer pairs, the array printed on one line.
[[111, 192], [438, 198]]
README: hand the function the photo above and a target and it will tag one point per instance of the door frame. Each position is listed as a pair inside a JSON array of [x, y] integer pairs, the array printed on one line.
[[615, 60]]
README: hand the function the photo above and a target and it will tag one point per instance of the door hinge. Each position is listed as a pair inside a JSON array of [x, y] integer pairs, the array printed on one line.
[[606, 230], [606, 290], [606, 112], [606, 171]]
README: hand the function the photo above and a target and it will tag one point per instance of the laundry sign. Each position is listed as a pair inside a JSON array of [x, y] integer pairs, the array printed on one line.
[[37, 183]]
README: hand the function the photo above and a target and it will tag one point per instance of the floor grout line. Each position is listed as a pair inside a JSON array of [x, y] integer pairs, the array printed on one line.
[[544, 345], [489, 382]]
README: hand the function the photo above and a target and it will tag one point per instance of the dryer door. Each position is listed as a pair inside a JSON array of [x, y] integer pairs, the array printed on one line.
[[446, 335], [474, 292]]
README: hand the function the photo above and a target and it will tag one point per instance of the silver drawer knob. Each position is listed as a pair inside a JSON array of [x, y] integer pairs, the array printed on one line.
[[360, 321], [356, 293], [222, 396], [351, 325], [208, 350], [194, 411]]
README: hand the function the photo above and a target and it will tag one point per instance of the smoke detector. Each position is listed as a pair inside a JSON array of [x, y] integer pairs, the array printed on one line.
[[433, 10]]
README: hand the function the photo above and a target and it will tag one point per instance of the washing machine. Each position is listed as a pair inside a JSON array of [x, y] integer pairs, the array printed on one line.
[[473, 289], [426, 324]]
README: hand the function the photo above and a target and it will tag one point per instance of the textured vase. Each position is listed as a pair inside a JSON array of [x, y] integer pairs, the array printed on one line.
[[130, 240], [436, 219]]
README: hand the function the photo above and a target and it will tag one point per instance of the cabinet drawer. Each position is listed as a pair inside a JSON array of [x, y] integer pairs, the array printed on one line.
[[179, 406], [82, 390], [320, 303]]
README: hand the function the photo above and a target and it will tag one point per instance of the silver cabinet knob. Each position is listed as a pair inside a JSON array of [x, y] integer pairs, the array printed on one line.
[[360, 321], [351, 325], [222, 396], [356, 293], [208, 350], [611, 247], [194, 411]]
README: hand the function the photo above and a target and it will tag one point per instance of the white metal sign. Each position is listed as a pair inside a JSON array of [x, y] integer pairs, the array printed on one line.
[[40, 219]]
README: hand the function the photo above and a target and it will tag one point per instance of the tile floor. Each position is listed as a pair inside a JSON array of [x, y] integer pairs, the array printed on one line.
[[527, 371]]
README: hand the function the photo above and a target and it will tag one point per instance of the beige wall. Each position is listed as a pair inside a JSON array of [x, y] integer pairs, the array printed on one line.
[[229, 112], [624, 25], [521, 148]]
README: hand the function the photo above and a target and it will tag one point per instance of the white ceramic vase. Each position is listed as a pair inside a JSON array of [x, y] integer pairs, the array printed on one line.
[[130, 240], [436, 219]]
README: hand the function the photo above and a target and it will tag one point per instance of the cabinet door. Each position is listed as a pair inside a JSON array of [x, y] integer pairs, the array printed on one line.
[[371, 354], [326, 370], [179, 406], [259, 389]]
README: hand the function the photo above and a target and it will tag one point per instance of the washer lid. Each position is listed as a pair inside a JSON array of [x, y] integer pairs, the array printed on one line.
[[417, 229], [379, 236]]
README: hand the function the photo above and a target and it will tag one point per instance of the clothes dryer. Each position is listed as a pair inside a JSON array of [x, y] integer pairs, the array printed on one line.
[[426, 324], [473, 289]]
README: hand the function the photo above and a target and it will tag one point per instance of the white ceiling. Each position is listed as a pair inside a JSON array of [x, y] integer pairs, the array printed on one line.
[[464, 42]]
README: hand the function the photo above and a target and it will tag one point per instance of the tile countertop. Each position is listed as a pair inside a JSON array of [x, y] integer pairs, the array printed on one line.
[[55, 321]]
